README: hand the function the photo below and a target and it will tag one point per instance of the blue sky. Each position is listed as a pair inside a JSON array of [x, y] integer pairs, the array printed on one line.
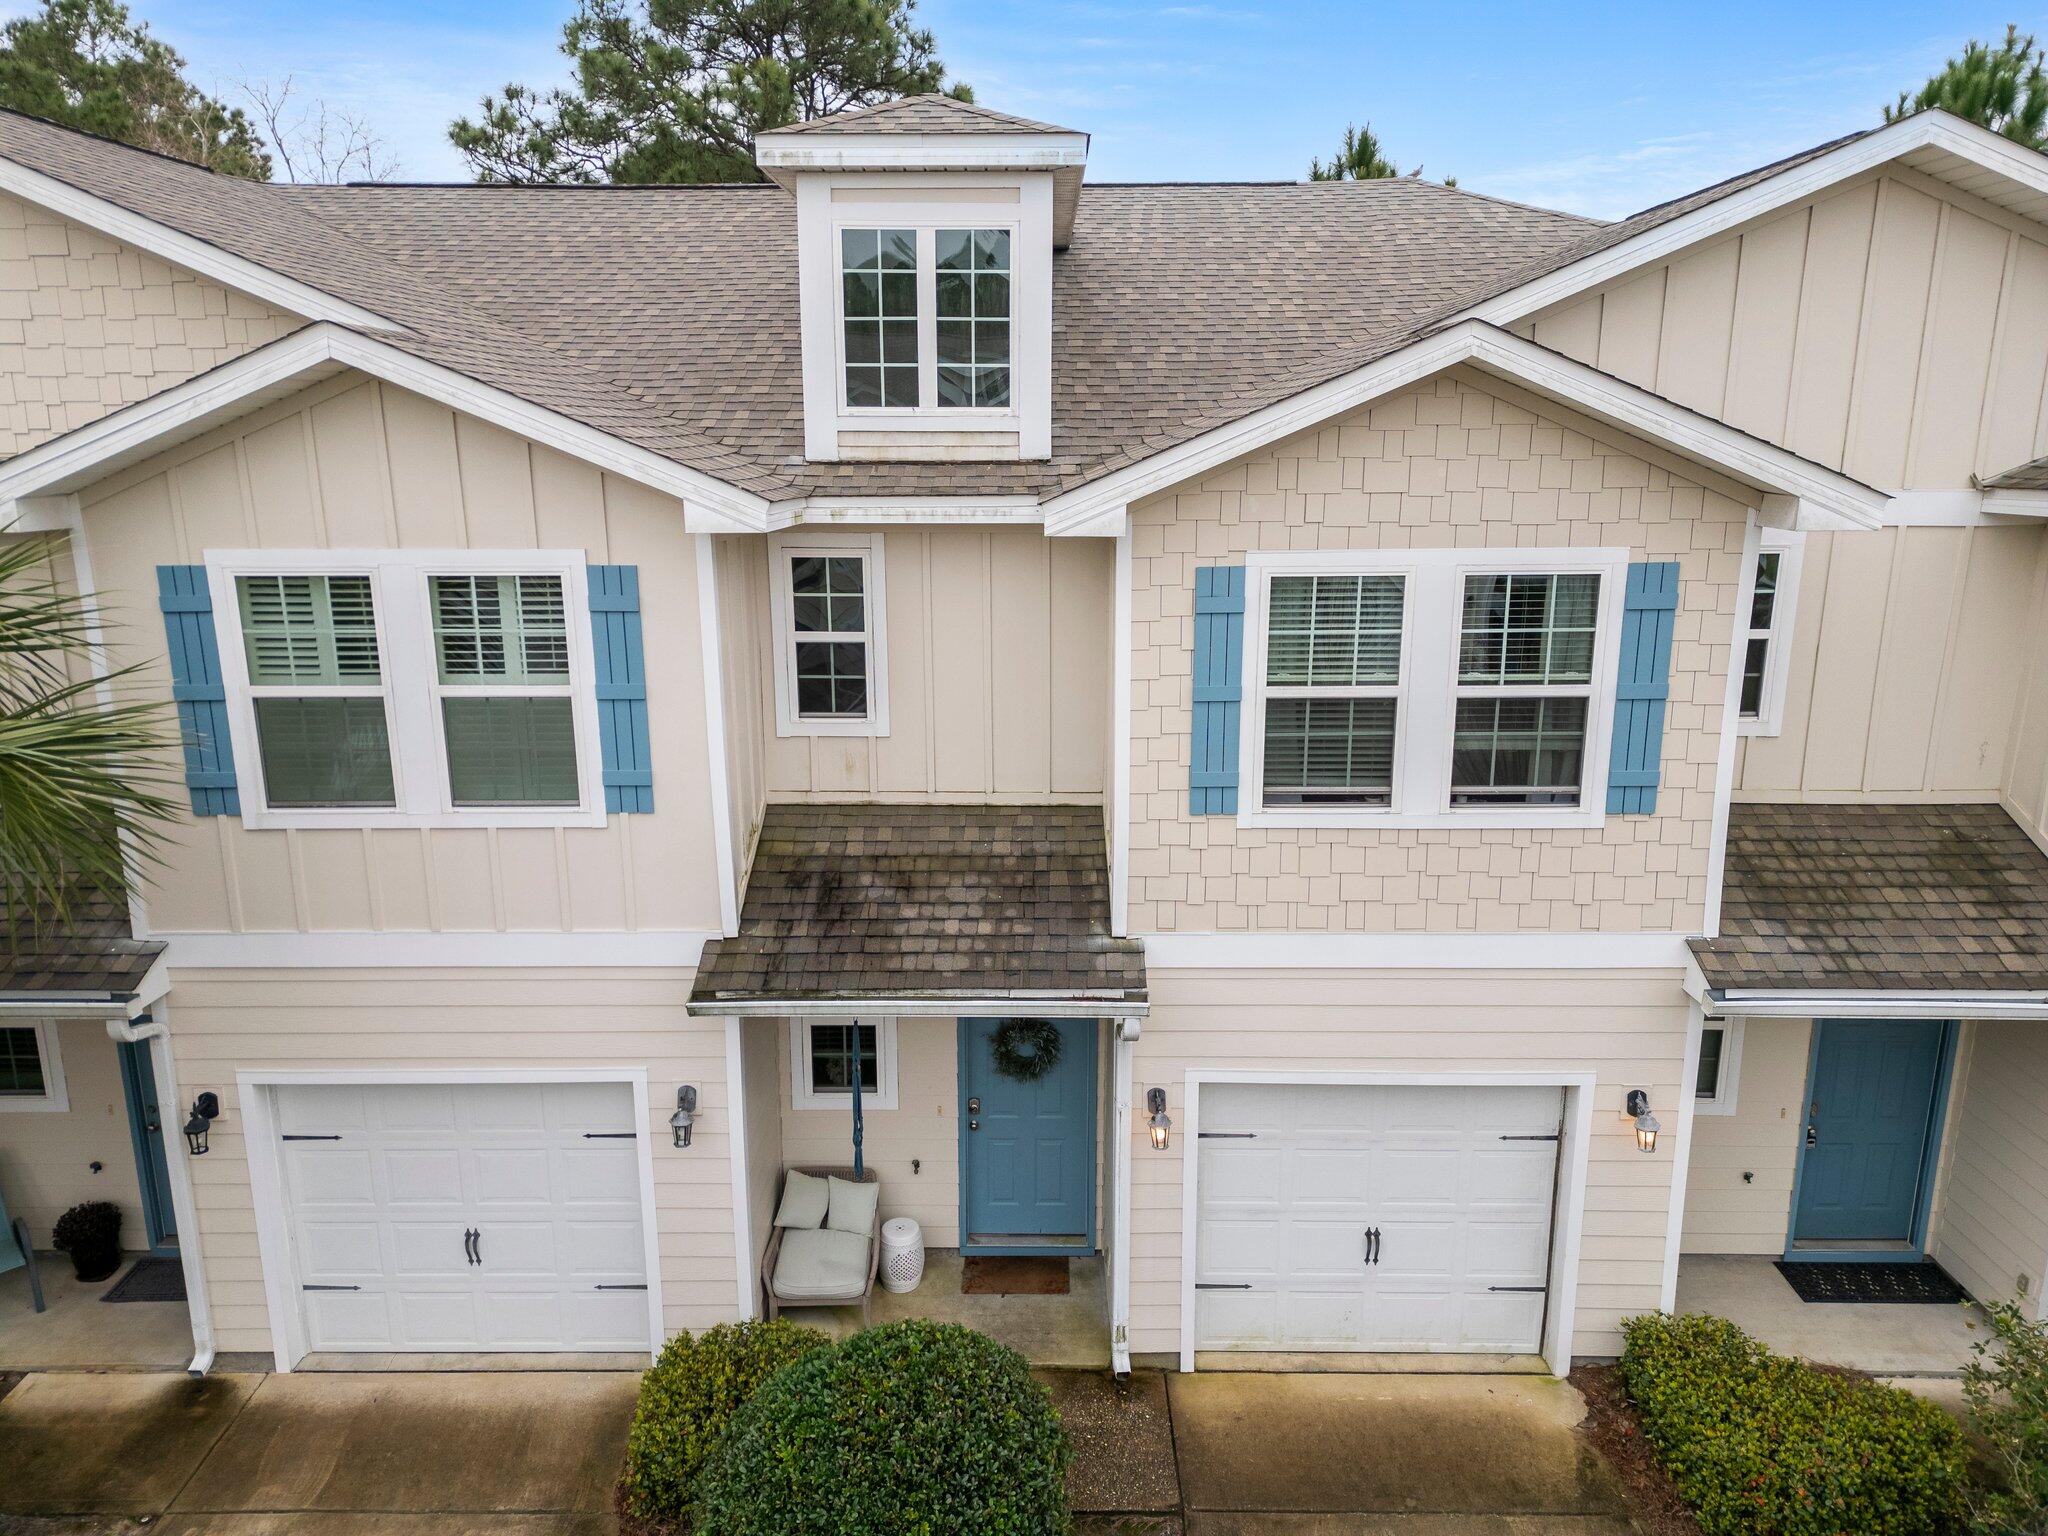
[[1598, 108]]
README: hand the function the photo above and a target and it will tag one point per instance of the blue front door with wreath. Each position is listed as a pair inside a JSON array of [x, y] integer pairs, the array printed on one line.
[[1027, 1135]]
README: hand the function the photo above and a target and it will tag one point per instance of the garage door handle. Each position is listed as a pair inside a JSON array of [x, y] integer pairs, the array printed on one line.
[[1372, 1245], [470, 1239]]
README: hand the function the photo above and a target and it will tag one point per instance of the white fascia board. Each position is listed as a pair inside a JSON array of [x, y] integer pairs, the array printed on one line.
[[1877, 1005], [2016, 503], [1826, 498], [184, 410], [1415, 951], [790, 152], [183, 250], [961, 510], [1063, 1007], [1924, 130]]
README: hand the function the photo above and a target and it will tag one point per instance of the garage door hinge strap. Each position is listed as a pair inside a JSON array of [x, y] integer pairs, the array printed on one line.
[[640, 1287], [1202, 1285], [1551, 1137], [330, 1287], [611, 1135], [1226, 1135], [1533, 1290], [308, 1138]]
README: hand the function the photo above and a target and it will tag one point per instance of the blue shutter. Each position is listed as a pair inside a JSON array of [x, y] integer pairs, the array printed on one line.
[[1643, 683], [1219, 690], [621, 689], [196, 686]]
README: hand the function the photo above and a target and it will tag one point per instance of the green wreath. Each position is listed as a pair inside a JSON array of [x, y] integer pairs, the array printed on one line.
[[1026, 1049]]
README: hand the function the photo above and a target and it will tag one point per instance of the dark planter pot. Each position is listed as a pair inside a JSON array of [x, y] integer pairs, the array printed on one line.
[[96, 1262]]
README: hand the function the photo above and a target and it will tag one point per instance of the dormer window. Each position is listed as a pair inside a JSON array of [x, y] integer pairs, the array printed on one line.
[[924, 315], [974, 317], [878, 287]]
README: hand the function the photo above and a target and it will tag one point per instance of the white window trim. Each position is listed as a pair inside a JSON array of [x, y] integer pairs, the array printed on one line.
[[801, 1093], [1790, 548], [55, 1099], [400, 583], [784, 548], [1428, 685], [1722, 1101]]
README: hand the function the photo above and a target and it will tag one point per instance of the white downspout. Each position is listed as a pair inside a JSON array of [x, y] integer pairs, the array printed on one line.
[[1120, 1200], [183, 1207]]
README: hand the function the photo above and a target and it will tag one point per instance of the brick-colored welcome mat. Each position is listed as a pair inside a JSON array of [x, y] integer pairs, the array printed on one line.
[[994, 1275]]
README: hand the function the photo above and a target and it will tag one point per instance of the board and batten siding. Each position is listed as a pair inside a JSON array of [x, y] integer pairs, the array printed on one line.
[[1723, 1213], [1991, 1215], [998, 643], [357, 464], [761, 1070], [223, 1022], [88, 325], [1627, 1027], [742, 584], [1458, 462]]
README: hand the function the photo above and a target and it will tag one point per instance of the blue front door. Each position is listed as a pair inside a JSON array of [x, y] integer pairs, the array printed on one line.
[[146, 1126], [1027, 1149], [1869, 1127]]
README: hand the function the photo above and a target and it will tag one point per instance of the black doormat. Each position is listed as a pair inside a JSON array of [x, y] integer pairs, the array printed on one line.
[[1924, 1281], [150, 1280]]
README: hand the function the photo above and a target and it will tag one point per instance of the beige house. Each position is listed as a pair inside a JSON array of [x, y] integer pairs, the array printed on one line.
[[1380, 771]]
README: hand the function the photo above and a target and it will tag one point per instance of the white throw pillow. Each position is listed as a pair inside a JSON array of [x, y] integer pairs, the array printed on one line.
[[853, 1207], [804, 1200]]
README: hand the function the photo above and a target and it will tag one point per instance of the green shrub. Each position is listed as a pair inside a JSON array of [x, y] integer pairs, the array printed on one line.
[[910, 1429], [1760, 1445], [2006, 1387], [687, 1400]]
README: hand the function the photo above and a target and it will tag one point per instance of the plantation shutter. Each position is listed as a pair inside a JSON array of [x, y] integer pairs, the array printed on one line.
[[1642, 685], [196, 687], [621, 689], [1218, 690]]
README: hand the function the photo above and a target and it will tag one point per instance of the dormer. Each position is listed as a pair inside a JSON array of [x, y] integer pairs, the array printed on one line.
[[925, 234]]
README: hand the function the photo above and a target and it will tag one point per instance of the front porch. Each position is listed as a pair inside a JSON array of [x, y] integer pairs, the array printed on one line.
[[77, 1331], [1886, 1340]]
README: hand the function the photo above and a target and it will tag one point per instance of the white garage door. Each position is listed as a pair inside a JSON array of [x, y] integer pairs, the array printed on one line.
[[465, 1217], [1374, 1218]]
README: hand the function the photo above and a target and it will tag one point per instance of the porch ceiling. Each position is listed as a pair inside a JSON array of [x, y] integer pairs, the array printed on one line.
[[924, 906], [1896, 898], [84, 955]]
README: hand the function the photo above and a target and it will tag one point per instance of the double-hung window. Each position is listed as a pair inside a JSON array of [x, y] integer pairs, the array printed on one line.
[[1333, 674], [924, 319], [1425, 688], [408, 688], [1764, 632], [830, 672], [1525, 679]]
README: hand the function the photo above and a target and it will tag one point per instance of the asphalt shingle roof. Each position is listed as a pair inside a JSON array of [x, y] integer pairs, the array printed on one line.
[[1941, 898], [87, 956], [925, 901], [2021, 477], [929, 113]]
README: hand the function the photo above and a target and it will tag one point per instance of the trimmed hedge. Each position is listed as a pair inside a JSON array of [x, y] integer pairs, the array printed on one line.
[[1760, 1445], [910, 1429], [686, 1402]]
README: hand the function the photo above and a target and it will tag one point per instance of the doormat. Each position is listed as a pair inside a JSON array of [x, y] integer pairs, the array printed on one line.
[[1925, 1282], [150, 1280], [992, 1275]]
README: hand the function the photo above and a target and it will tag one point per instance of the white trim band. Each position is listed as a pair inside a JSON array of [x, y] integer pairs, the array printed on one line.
[[1878, 1005], [1415, 951]]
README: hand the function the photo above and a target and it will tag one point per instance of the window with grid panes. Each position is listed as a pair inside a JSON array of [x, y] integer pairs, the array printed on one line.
[[829, 615], [1333, 672], [21, 1063], [1756, 656], [317, 686], [835, 1048], [1524, 690], [973, 295], [502, 662], [878, 314]]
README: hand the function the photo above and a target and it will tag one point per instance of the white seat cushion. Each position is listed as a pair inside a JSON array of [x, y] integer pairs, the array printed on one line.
[[818, 1262]]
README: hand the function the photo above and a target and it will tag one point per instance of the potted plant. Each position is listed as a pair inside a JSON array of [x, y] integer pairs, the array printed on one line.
[[91, 1234]]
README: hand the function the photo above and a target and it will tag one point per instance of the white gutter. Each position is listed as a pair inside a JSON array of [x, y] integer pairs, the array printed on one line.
[[1878, 1005], [183, 1207], [1062, 1005]]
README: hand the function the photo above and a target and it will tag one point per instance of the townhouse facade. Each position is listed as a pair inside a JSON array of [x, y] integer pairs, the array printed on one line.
[[1492, 752]]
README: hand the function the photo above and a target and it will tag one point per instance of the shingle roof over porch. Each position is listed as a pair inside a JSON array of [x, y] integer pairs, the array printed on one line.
[[1933, 898], [938, 904], [85, 956]]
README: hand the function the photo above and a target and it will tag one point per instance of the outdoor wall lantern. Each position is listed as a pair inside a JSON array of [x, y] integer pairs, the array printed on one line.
[[685, 1115], [205, 1110], [1646, 1123], [1162, 1128]]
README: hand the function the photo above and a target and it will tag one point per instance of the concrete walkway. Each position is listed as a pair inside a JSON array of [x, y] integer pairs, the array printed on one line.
[[537, 1454]]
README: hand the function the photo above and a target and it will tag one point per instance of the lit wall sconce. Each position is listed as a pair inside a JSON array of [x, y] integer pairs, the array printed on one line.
[[205, 1110], [685, 1115], [1646, 1123], [1162, 1128]]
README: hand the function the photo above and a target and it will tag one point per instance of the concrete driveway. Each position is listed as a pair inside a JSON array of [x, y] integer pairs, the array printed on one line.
[[536, 1453]]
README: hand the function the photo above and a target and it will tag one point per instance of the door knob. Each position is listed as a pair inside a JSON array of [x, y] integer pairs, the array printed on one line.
[[1812, 1136], [974, 1106], [974, 1125]]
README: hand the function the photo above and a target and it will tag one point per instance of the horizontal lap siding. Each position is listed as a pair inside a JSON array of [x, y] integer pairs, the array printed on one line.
[[223, 1023], [1722, 1213], [1991, 1222], [1628, 1028]]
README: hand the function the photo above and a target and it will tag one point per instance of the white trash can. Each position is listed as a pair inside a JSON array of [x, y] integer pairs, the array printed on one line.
[[902, 1254]]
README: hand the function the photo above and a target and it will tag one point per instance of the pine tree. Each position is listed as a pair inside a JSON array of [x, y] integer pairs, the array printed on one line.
[[1360, 159], [2004, 88]]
